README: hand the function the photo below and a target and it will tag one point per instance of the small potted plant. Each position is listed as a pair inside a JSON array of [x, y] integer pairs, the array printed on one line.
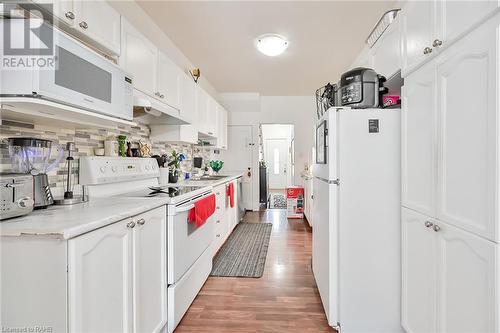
[[175, 166]]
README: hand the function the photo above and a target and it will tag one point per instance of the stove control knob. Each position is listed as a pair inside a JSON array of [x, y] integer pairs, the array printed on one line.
[[103, 169], [25, 202], [148, 167], [114, 168]]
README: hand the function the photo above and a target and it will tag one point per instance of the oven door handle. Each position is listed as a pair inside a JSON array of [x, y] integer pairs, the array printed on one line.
[[185, 208]]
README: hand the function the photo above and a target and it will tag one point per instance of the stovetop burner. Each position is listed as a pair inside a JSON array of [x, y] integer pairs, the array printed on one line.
[[168, 191]]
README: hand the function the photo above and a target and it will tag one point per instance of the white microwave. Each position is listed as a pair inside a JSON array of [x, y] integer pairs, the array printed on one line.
[[81, 78]]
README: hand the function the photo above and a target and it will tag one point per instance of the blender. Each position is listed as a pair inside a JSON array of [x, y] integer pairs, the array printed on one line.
[[32, 156]]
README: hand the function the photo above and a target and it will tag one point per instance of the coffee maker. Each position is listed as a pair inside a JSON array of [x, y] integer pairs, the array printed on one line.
[[32, 156]]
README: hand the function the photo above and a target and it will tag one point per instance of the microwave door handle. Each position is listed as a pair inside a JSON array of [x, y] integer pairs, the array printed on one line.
[[185, 208]]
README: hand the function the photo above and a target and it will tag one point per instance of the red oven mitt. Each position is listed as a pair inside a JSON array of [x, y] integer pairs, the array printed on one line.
[[202, 210], [230, 194]]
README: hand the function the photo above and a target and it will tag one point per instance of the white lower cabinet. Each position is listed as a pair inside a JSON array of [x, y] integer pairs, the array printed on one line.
[[150, 260], [117, 276], [100, 280], [226, 217], [449, 278], [112, 279]]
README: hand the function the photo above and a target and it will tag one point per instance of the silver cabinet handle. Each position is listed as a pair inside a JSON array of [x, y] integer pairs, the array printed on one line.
[[218, 235], [141, 221], [131, 224], [427, 50], [218, 221], [436, 228], [218, 207], [437, 43], [83, 25], [70, 15], [428, 224]]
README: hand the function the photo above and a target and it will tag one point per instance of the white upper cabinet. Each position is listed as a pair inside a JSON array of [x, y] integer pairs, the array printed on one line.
[[201, 100], [418, 313], [467, 179], [100, 22], [456, 17], [188, 98], [168, 80], [419, 160], [417, 28], [139, 58], [95, 22], [386, 53], [429, 26]]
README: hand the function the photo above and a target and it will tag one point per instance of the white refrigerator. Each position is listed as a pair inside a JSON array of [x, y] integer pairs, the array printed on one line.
[[356, 232]]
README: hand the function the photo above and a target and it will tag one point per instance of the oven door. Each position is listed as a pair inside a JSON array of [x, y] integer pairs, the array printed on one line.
[[84, 79], [186, 242]]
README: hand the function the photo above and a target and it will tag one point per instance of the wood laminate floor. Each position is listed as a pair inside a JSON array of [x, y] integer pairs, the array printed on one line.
[[285, 299]]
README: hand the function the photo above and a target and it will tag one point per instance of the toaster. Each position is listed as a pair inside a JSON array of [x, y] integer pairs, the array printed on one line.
[[362, 88], [16, 196]]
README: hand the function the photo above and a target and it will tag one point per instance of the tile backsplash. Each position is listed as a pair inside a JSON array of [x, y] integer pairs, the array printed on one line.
[[86, 140]]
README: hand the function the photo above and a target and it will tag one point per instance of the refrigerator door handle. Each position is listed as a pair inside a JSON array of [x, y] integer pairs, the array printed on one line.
[[336, 181]]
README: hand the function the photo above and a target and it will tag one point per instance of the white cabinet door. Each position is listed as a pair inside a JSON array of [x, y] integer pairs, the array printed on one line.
[[100, 280], [100, 22], [211, 116], [456, 17], [201, 98], [419, 274], [221, 127], [418, 31], [467, 191], [150, 280], [187, 98], [139, 58], [168, 81], [419, 141], [386, 52], [467, 286]]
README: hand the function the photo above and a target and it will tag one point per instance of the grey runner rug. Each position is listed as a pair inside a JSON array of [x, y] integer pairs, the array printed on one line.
[[244, 253]]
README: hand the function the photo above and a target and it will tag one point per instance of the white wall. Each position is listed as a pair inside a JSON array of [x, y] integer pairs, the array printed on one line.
[[142, 22], [296, 110]]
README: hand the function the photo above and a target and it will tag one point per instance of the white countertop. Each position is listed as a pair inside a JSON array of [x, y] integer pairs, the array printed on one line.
[[70, 221], [230, 176]]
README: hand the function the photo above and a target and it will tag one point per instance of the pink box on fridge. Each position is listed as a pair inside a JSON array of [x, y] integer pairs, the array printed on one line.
[[295, 202]]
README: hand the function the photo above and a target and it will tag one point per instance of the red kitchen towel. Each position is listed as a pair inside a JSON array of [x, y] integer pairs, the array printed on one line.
[[230, 193], [202, 210]]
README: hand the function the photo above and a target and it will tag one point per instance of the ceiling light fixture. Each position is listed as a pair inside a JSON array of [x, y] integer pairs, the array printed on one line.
[[271, 44]]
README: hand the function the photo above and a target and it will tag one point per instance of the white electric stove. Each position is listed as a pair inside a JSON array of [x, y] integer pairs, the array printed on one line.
[[189, 258]]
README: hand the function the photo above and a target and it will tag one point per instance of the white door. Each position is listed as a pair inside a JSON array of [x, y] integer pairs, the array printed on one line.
[[467, 282], [150, 268], [100, 22], [168, 81], [418, 273], [468, 138], [277, 161], [100, 280], [418, 160], [239, 158], [139, 58], [418, 30]]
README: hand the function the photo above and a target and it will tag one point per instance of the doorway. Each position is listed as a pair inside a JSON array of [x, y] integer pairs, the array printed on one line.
[[276, 162]]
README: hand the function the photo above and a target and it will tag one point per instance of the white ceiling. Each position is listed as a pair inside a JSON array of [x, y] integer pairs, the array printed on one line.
[[218, 36]]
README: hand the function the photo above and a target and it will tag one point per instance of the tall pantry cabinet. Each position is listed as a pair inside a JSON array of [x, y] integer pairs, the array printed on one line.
[[450, 161]]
